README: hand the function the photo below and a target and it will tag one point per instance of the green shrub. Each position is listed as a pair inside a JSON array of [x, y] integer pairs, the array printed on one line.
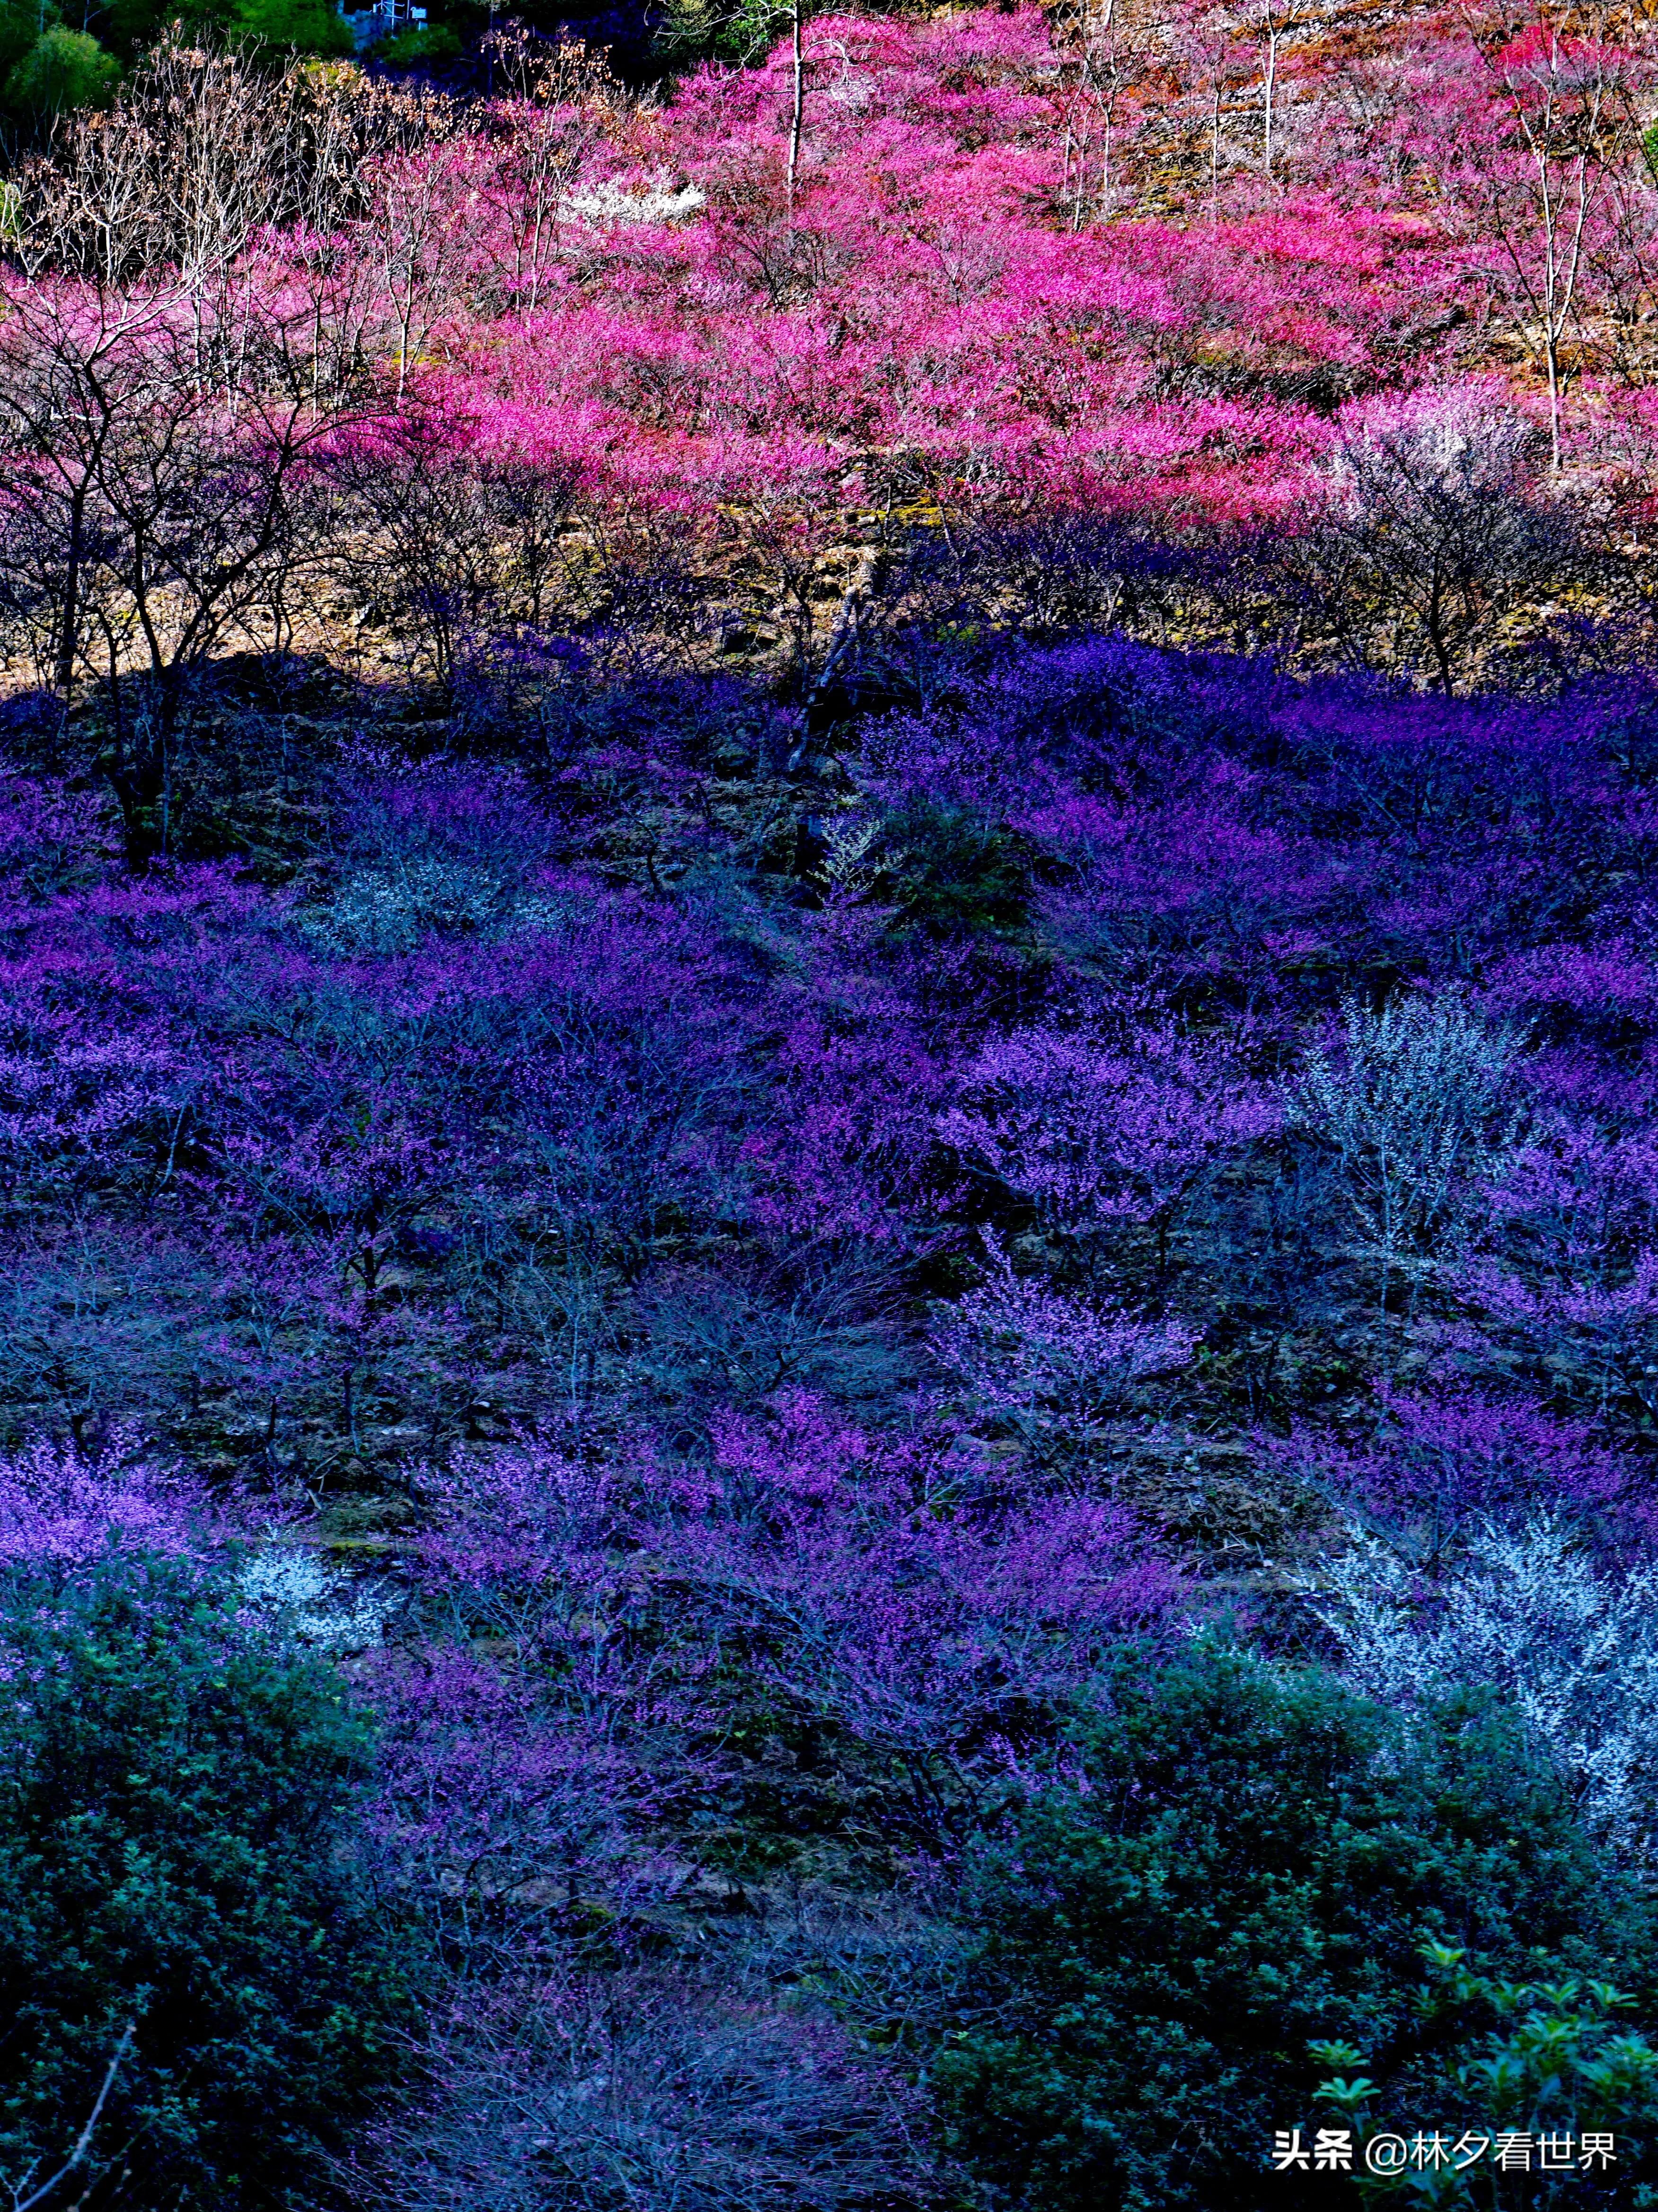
[[62, 69], [294, 26], [175, 1855], [1544, 2058], [20, 25], [422, 42], [1238, 1868], [955, 875]]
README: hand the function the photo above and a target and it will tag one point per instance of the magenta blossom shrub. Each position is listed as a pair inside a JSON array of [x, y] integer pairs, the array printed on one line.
[[1049, 1363], [59, 1502], [879, 1590], [1440, 1462]]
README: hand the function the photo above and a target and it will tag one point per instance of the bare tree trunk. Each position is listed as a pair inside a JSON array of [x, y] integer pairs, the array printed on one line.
[[1578, 109], [799, 69], [1214, 150], [69, 635]]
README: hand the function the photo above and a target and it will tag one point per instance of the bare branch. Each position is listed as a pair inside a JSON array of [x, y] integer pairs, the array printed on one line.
[[82, 2150]]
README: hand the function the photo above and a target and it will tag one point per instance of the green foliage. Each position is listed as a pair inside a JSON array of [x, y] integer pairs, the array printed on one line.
[[271, 26], [955, 875], [1239, 1866], [294, 26], [1548, 2058], [130, 25], [20, 25], [740, 31], [62, 69], [174, 1856], [422, 42]]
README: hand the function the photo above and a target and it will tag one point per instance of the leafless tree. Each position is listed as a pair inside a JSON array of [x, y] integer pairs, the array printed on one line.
[[148, 511], [1435, 528], [1110, 49], [559, 103], [665, 2092], [1574, 109], [446, 549], [201, 153], [165, 412]]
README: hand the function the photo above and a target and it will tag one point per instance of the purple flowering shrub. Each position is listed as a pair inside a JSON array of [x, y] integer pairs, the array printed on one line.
[[1046, 1363], [652, 1690], [57, 1503], [882, 1603], [1092, 1132], [827, 915], [750, 1277]]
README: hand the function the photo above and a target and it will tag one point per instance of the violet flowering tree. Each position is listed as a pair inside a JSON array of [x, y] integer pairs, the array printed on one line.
[[1092, 1130], [877, 1593], [1438, 1465], [1050, 1365], [59, 1502]]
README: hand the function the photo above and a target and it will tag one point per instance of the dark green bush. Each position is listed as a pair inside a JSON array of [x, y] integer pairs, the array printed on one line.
[[175, 1854], [1238, 1866], [20, 26], [954, 875], [1542, 2058]]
